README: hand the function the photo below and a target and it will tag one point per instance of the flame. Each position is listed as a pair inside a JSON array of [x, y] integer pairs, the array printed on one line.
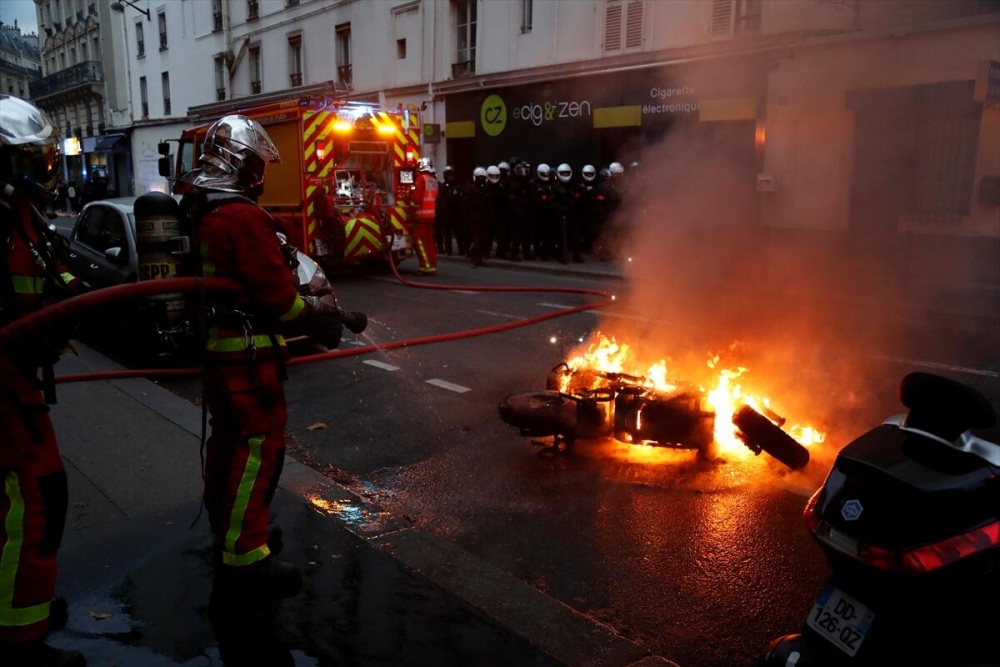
[[724, 396]]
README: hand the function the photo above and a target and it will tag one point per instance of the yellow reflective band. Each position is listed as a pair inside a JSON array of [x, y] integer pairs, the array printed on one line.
[[11, 557], [28, 284], [239, 343], [297, 306], [67, 277], [243, 495], [249, 558]]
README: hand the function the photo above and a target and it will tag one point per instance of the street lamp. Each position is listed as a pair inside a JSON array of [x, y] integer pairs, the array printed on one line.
[[120, 8]]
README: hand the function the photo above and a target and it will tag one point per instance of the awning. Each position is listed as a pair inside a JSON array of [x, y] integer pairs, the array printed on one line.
[[108, 142]]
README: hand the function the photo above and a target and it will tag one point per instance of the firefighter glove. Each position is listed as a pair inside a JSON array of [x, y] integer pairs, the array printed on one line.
[[323, 322]]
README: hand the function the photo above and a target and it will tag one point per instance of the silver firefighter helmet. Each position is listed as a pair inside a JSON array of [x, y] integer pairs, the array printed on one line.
[[234, 155]]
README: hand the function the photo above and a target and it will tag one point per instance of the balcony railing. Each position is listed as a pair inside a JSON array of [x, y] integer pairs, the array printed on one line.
[[464, 68], [297, 79], [140, 49], [71, 77], [163, 41], [145, 109], [345, 74]]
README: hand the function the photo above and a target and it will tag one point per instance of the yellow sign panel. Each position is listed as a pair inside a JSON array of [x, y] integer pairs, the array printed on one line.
[[71, 146]]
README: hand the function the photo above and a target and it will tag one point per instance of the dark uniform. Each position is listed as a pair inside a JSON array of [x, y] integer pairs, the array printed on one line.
[[479, 214], [449, 214]]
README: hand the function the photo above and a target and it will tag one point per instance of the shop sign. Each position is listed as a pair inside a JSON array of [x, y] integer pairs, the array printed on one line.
[[71, 146]]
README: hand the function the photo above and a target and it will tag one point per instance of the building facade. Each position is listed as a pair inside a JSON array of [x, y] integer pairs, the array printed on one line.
[[20, 60], [84, 89], [792, 91]]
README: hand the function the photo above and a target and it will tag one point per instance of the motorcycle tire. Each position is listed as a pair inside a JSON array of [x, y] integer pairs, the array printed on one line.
[[540, 413], [763, 433]]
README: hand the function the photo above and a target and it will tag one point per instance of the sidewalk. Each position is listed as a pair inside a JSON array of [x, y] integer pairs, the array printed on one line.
[[377, 589]]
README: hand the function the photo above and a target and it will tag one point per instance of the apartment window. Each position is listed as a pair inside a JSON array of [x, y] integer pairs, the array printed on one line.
[[72, 56], [144, 97], [216, 15], [254, 69], [97, 48], [623, 24], [295, 59], [162, 20], [748, 16], [401, 49], [526, 11], [83, 52], [253, 9], [220, 78], [344, 69], [465, 38], [62, 60], [291, 3], [165, 84], [140, 41]]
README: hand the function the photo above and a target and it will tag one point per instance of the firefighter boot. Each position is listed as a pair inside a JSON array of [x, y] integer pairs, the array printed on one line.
[[39, 654], [243, 627], [270, 577]]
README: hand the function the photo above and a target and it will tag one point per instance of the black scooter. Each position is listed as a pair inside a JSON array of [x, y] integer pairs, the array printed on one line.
[[909, 521]]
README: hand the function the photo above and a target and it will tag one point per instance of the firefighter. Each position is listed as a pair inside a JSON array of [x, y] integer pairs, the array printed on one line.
[[34, 493], [424, 201], [244, 357], [541, 222], [448, 213], [479, 213]]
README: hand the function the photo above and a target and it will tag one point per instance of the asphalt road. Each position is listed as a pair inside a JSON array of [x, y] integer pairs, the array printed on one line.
[[702, 562]]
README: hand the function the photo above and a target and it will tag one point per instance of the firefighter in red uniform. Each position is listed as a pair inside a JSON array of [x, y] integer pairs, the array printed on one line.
[[425, 192], [32, 478], [245, 353]]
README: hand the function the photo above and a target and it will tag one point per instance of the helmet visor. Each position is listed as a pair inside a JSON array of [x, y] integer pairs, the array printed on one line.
[[37, 163]]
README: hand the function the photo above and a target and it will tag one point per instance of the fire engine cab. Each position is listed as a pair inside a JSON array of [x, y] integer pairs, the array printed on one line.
[[342, 190]]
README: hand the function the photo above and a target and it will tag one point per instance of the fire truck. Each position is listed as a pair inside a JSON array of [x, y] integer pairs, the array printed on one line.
[[341, 192]]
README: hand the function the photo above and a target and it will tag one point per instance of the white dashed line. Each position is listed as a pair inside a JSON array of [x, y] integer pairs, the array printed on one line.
[[379, 364], [359, 343], [444, 384], [946, 367], [503, 315], [463, 291], [553, 305]]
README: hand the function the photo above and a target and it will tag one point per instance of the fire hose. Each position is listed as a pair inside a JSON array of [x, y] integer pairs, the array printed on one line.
[[47, 317]]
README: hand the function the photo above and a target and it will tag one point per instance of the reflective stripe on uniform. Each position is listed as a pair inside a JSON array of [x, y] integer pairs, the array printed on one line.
[[67, 277], [10, 558], [240, 503], [239, 343], [28, 284], [424, 259], [294, 311]]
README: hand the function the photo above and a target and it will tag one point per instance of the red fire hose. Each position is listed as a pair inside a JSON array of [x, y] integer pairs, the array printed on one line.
[[51, 315]]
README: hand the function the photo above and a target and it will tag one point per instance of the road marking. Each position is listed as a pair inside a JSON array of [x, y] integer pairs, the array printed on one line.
[[946, 367], [444, 384], [504, 315], [554, 305], [379, 364], [463, 291], [359, 343]]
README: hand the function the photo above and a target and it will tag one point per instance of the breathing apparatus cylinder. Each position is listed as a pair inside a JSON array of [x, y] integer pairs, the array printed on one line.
[[163, 245]]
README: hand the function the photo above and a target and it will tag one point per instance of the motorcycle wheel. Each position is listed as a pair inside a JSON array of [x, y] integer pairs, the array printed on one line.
[[540, 413], [761, 432]]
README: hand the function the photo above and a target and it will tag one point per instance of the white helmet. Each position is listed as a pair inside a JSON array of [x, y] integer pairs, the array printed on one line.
[[424, 164], [479, 173], [543, 171], [616, 169], [493, 173], [564, 173], [588, 172], [504, 167], [234, 154]]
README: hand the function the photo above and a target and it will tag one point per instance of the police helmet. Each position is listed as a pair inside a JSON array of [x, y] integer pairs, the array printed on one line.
[[588, 172], [493, 173], [479, 175], [543, 171], [564, 173], [616, 168], [504, 168]]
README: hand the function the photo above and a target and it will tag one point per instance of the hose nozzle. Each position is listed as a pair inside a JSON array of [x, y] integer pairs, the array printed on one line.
[[355, 321]]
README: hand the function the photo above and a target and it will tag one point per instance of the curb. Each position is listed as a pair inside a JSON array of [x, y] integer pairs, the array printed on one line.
[[544, 622]]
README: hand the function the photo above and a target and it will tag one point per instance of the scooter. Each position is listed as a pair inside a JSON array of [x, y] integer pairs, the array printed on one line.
[[909, 522]]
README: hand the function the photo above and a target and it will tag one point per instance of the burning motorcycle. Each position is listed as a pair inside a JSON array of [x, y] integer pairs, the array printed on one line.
[[630, 408], [909, 521]]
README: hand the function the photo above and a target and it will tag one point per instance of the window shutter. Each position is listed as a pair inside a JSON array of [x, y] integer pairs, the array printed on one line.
[[613, 26], [722, 17], [633, 24]]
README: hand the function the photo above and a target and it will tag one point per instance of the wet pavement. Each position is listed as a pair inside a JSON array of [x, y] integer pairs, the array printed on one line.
[[139, 595]]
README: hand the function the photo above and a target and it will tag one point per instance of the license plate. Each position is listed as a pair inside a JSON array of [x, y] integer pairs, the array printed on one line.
[[401, 243], [841, 619]]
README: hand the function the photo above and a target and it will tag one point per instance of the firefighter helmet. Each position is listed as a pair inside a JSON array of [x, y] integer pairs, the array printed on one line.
[[493, 173], [479, 175], [234, 155], [616, 168], [543, 171], [564, 173], [29, 148], [588, 172], [424, 164]]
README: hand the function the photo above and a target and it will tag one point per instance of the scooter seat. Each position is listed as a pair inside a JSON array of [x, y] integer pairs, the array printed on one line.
[[944, 407]]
